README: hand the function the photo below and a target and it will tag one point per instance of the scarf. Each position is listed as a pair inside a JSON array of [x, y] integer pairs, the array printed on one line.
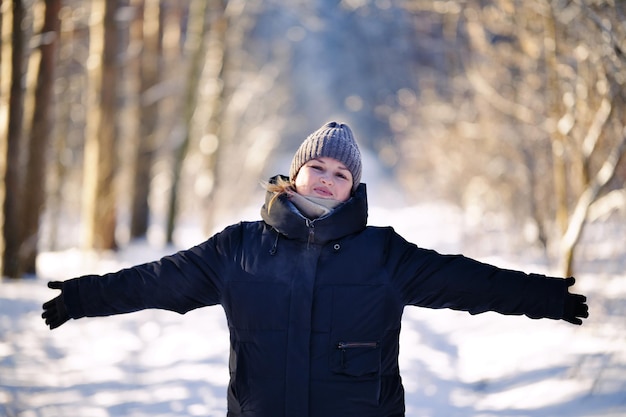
[[313, 207]]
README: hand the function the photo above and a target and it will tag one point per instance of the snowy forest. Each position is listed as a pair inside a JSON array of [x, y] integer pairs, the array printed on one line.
[[131, 128], [127, 116]]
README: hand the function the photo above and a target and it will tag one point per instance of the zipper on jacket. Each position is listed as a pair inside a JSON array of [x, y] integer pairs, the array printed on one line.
[[311, 225], [275, 245], [343, 346], [352, 345]]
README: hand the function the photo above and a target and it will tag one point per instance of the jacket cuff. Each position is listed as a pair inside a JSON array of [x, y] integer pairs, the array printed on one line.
[[71, 298], [556, 291]]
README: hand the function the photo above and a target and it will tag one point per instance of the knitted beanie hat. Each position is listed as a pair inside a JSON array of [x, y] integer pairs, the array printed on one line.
[[333, 140]]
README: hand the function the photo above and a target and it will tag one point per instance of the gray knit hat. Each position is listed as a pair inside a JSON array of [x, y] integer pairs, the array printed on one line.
[[333, 140]]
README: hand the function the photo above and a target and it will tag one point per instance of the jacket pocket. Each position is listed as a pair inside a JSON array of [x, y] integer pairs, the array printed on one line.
[[356, 358]]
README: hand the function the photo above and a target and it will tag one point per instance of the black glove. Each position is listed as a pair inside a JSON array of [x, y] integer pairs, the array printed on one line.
[[54, 311], [575, 306]]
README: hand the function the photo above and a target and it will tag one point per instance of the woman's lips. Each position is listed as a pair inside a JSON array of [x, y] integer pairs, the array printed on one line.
[[322, 191]]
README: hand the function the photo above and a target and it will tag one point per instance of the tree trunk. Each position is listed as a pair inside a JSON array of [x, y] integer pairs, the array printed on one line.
[[100, 199], [579, 217], [35, 198], [196, 39], [214, 109], [12, 180], [559, 168], [1, 37], [149, 75], [4, 108]]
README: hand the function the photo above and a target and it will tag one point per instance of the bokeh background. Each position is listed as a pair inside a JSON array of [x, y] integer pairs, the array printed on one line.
[[153, 123]]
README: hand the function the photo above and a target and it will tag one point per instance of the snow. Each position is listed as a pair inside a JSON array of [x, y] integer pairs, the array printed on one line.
[[160, 364]]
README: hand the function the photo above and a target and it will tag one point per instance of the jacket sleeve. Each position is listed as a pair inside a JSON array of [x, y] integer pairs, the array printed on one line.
[[428, 279], [180, 282]]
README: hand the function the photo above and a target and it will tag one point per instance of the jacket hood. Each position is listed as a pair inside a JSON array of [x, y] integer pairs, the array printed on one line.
[[349, 217]]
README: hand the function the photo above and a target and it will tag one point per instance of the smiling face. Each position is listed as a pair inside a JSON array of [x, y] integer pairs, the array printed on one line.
[[324, 178]]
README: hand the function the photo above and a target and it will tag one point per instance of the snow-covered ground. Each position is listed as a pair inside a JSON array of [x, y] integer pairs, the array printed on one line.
[[158, 364]]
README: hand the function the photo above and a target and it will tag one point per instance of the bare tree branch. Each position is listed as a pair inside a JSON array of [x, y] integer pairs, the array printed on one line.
[[511, 108], [589, 195], [593, 134]]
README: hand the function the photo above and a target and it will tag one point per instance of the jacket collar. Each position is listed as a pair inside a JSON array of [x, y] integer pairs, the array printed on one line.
[[349, 217]]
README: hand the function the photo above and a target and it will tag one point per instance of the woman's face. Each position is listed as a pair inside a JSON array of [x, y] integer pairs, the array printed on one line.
[[324, 178]]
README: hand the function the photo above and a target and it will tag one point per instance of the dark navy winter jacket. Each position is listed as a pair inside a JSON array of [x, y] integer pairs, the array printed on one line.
[[314, 307]]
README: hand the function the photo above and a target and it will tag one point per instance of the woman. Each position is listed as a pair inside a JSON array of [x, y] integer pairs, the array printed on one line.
[[313, 296]]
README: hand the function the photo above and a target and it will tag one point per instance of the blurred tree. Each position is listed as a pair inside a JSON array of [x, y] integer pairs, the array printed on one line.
[[554, 111], [209, 113], [101, 159], [538, 107], [14, 168], [38, 149], [5, 53], [148, 36], [594, 118], [195, 46]]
